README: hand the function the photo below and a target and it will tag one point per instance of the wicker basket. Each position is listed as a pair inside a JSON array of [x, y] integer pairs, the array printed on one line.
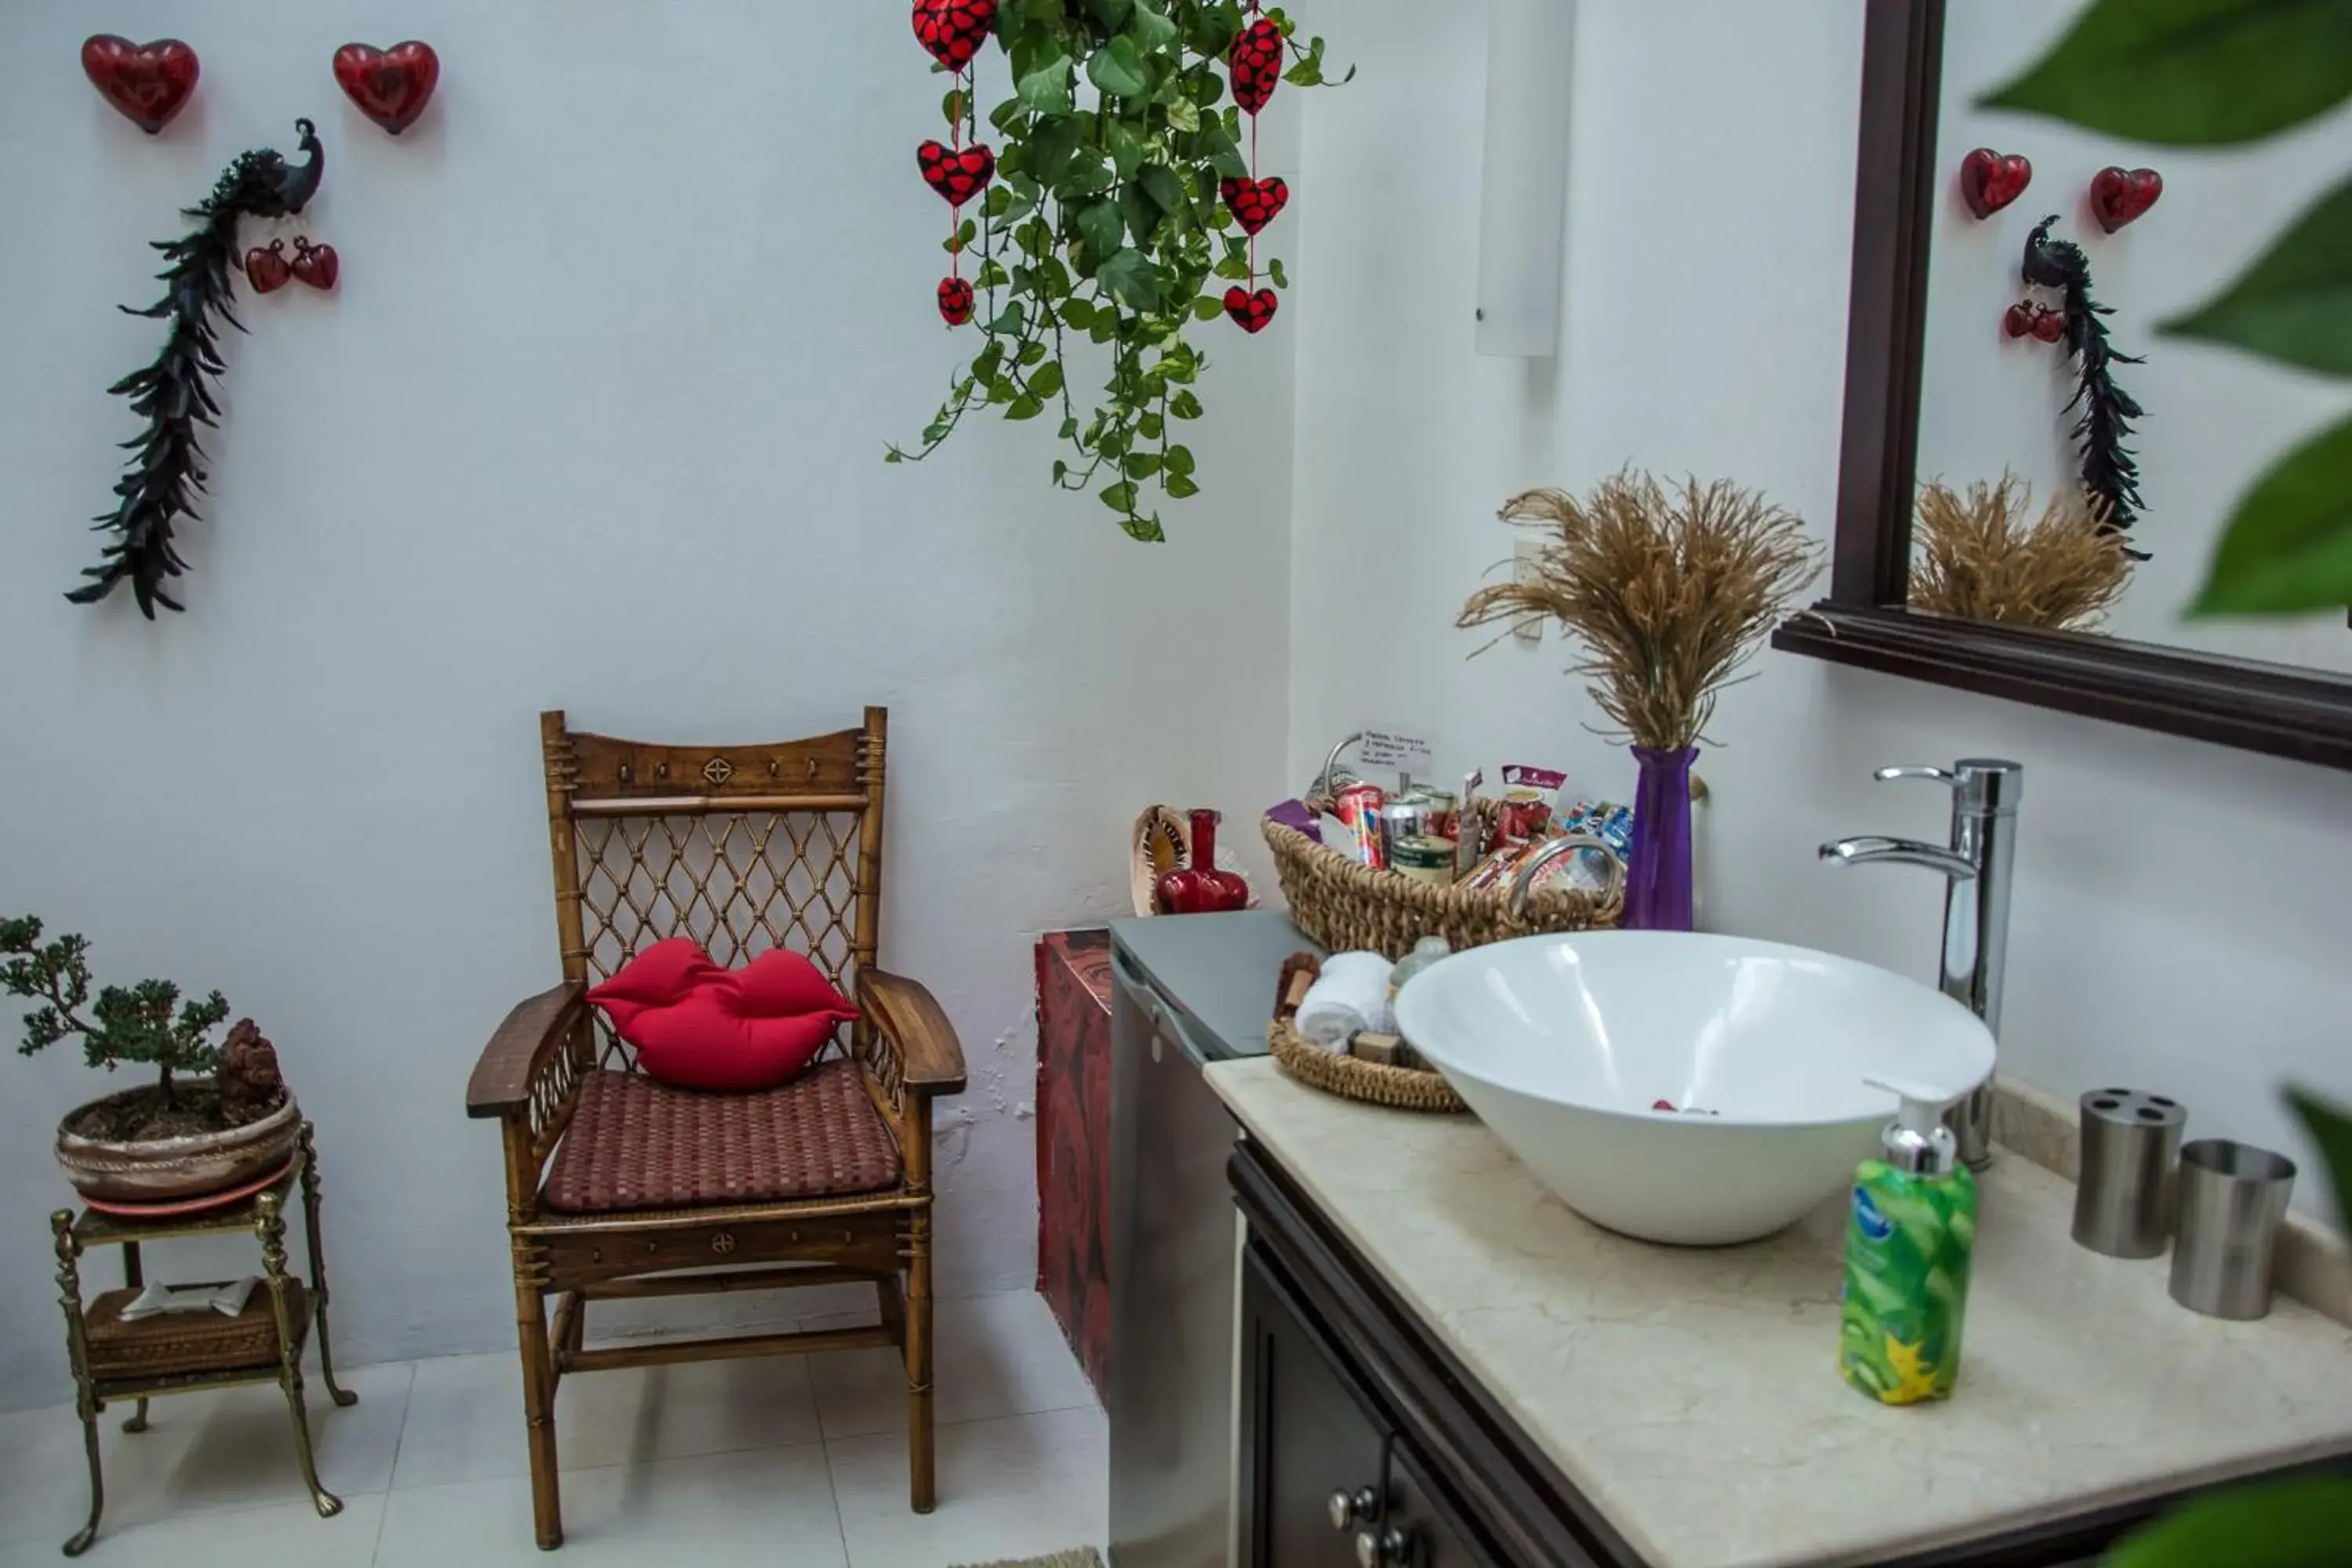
[[1400, 1089], [178, 1344], [1350, 908]]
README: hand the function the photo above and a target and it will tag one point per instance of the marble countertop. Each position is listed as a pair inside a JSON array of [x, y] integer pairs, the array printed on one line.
[[1693, 1395]]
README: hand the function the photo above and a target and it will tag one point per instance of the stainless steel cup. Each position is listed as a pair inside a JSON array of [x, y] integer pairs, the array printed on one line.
[[2232, 1201], [2124, 1201]]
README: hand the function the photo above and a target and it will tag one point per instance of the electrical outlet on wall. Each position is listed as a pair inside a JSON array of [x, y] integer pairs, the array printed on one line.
[[1526, 555]]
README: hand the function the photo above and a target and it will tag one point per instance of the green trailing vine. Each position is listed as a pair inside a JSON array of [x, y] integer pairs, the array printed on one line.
[[1105, 227]]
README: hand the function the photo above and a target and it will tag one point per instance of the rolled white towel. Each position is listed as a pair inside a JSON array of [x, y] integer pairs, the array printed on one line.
[[1351, 998]]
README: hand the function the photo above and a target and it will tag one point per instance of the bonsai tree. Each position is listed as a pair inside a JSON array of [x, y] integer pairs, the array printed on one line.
[[134, 1024]]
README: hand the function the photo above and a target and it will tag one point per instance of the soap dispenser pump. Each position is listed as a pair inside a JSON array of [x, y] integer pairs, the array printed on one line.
[[1910, 1235]]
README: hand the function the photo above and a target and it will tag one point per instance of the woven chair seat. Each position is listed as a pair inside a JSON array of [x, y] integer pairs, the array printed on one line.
[[634, 1144]]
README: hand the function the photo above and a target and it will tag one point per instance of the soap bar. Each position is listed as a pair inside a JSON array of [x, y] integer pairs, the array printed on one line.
[[1909, 1242]]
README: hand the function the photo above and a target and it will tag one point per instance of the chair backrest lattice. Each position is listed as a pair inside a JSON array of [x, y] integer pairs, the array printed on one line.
[[744, 848]]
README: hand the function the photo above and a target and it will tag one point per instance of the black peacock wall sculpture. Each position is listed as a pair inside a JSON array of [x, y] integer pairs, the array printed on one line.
[[2110, 474], [166, 473]]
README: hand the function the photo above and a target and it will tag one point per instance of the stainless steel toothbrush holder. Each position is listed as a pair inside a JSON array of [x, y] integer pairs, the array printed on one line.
[[2124, 1201], [2232, 1201]]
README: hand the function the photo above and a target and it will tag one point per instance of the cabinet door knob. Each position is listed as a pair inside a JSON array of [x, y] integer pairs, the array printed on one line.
[[1390, 1548], [1358, 1507]]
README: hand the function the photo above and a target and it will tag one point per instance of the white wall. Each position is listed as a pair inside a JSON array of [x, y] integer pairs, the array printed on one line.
[[2178, 919], [596, 421], [2216, 417]]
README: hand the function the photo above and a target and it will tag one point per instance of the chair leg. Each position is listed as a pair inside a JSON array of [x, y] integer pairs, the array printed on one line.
[[922, 1480], [538, 1409]]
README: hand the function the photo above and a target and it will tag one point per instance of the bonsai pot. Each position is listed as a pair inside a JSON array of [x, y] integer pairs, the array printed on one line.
[[163, 1170]]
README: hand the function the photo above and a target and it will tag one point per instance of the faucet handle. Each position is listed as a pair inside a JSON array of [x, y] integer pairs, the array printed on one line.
[[1984, 787], [1933, 775]]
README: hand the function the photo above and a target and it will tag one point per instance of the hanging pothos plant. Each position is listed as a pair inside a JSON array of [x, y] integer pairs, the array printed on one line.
[[1121, 188]]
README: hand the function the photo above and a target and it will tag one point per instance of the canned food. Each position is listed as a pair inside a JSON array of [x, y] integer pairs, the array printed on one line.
[[1361, 806], [1426, 858]]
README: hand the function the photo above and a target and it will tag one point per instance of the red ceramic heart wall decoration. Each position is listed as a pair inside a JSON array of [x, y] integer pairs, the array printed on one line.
[[267, 270], [1990, 181], [1255, 203], [2120, 196], [953, 30], [391, 86], [148, 83], [317, 265], [957, 175]]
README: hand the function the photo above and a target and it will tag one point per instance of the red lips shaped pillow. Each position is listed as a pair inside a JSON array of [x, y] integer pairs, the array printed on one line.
[[696, 1025]]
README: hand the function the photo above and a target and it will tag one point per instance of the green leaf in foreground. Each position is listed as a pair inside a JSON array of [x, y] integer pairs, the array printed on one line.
[[1117, 68], [2287, 548], [2331, 1128], [2275, 1524], [2191, 73], [2295, 305]]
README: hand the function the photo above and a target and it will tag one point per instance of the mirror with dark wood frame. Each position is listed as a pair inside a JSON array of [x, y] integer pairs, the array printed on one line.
[[1941, 573]]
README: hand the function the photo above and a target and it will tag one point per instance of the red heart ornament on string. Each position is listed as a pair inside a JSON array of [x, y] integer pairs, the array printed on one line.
[[2120, 196], [1255, 62], [267, 270], [953, 30], [2049, 326], [1253, 313], [957, 175], [147, 83], [317, 265], [1255, 203], [391, 86], [2017, 320], [955, 301], [1990, 181]]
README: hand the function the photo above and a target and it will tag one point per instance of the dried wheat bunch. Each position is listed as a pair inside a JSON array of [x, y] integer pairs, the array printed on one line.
[[1976, 557], [1669, 590]]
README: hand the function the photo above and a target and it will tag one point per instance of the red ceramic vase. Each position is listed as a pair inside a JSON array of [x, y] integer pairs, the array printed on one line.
[[1200, 889]]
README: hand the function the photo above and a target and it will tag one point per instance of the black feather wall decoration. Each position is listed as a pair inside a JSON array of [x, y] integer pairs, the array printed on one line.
[[2109, 473], [166, 473]]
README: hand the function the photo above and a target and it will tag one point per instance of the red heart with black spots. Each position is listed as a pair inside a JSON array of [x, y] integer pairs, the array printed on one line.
[[1990, 181], [955, 301], [1255, 62], [2119, 195], [953, 30], [1255, 203], [1253, 313], [958, 175]]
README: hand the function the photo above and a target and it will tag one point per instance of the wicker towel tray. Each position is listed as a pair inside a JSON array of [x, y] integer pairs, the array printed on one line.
[[1400, 1089]]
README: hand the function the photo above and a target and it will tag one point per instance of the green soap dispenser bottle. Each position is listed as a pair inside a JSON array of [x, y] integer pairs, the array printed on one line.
[[1910, 1231]]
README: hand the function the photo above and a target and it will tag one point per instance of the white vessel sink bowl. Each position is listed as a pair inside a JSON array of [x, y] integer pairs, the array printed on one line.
[[1563, 1044]]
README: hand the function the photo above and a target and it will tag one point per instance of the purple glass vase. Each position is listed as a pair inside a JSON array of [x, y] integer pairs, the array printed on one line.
[[1658, 872]]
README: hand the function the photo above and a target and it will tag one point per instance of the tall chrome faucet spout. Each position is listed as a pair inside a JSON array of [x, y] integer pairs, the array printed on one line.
[[1976, 868]]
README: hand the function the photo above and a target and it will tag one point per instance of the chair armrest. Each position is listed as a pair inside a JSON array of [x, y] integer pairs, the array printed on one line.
[[502, 1079], [910, 1017]]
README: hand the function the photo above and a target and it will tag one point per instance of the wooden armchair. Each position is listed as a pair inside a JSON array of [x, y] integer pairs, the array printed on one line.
[[618, 1188]]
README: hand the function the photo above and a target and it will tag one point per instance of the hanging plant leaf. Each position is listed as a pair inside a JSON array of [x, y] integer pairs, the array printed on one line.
[[2288, 549], [2191, 73], [1117, 68], [2295, 305]]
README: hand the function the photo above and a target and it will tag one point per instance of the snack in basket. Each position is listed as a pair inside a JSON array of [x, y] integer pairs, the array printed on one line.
[[1528, 793]]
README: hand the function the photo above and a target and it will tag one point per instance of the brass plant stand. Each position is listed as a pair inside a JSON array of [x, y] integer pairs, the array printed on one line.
[[177, 1354]]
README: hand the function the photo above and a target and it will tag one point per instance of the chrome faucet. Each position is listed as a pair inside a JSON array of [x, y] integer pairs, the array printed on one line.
[[1976, 868]]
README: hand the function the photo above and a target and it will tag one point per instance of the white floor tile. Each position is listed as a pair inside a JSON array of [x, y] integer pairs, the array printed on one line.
[[466, 1420], [995, 1356], [1013, 1488], [203, 1453], [246, 1537], [769, 1507]]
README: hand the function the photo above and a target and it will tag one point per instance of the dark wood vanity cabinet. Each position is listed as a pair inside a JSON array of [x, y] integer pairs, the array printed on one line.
[[1363, 1444]]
